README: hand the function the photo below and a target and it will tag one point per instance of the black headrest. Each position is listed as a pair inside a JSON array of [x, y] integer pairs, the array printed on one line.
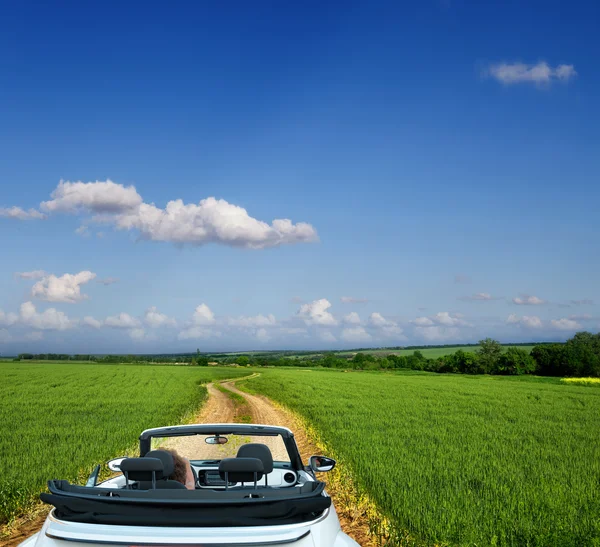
[[260, 451], [241, 469], [141, 469], [167, 460]]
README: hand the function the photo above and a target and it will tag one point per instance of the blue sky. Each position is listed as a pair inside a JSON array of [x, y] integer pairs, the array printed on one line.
[[439, 164]]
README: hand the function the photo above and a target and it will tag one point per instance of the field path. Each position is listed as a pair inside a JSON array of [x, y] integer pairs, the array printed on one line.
[[219, 408]]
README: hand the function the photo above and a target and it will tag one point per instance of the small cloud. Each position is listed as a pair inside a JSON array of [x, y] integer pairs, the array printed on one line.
[[584, 302], [50, 319], [352, 318], [66, 288], [108, 280], [422, 322], [480, 296], [565, 324], [581, 317], [35, 274], [353, 300], [462, 279], [154, 319], [20, 214], [90, 321], [541, 73], [203, 315], [527, 300], [99, 235], [83, 231], [122, 321], [529, 321], [296, 300], [315, 313]]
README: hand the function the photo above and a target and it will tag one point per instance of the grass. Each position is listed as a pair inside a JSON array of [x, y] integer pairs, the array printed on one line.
[[59, 420], [242, 411], [459, 460]]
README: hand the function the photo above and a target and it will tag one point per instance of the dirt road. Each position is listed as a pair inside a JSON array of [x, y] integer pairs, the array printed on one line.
[[220, 408]]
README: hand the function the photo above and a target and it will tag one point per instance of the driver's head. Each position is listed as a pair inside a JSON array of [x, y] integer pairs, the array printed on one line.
[[182, 472]]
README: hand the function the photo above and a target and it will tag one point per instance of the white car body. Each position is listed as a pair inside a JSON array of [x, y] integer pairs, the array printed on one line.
[[321, 531]]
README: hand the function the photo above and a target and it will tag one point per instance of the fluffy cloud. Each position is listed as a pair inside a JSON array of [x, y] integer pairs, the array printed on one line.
[[480, 296], [50, 319], [66, 288], [108, 280], [253, 321], [529, 321], [437, 333], [203, 315], [422, 322], [565, 324], [82, 231], [449, 320], [89, 321], [137, 334], [98, 197], [35, 274], [540, 73], [355, 334], [8, 319], [20, 214], [122, 321], [527, 300], [211, 221], [352, 318], [353, 300], [153, 318], [384, 326], [316, 313]]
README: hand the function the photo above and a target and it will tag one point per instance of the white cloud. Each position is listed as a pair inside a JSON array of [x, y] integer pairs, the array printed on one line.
[[355, 334], [327, 336], [91, 322], [5, 336], [20, 214], [540, 73], [296, 300], [352, 318], [66, 288], [35, 274], [529, 321], [212, 221], [153, 318], [316, 313], [449, 320], [98, 197], [197, 332], [385, 327], [377, 320], [565, 324], [203, 315], [263, 335], [527, 300], [108, 280], [122, 321], [8, 319], [137, 334], [481, 296], [82, 231], [253, 321], [462, 279], [437, 333], [422, 322], [50, 319], [353, 300]]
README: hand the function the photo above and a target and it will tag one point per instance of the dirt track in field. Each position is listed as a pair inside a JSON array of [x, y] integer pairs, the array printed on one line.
[[219, 408]]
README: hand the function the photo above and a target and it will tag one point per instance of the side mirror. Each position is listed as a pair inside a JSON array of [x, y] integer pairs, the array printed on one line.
[[115, 465], [321, 464]]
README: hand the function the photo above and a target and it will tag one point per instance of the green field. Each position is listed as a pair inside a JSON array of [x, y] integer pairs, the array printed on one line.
[[460, 460], [57, 420]]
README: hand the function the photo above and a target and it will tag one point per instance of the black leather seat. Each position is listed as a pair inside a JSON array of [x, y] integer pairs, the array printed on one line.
[[260, 451], [150, 475], [240, 470]]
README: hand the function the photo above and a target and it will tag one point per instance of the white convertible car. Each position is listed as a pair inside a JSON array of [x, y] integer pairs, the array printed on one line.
[[251, 489]]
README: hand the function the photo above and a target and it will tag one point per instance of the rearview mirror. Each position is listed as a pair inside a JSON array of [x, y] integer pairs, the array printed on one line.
[[115, 465], [217, 439], [321, 464]]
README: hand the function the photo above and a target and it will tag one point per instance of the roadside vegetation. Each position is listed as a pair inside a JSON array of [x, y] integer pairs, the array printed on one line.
[[455, 459], [59, 421]]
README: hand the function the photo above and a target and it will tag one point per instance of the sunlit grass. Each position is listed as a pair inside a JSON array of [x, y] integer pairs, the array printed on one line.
[[582, 381]]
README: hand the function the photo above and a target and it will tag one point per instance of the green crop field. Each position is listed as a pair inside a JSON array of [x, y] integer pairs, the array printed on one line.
[[459, 460], [57, 420]]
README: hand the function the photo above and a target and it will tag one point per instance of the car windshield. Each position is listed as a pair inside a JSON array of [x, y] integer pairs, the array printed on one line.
[[196, 449]]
